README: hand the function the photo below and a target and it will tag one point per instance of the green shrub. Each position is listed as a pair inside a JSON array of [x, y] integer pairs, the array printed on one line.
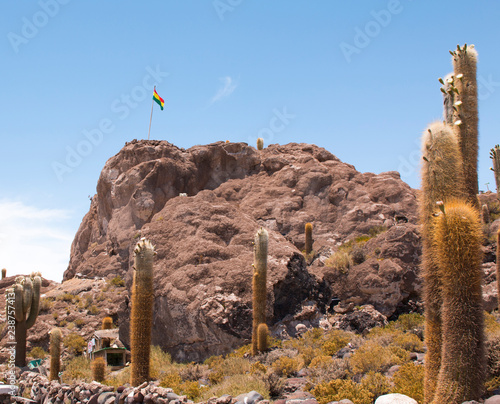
[[491, 326], [258, 367], [376, 383], [409, 380], [38, 353], [285, 366], [321, 362], [335, 340], [94, 310], [336, 390], [371, 356], [236, 385], [46, 304], [376, 230], [77, 369], [409, 322], [340, 260], [79, 322], [75, 343], [117, 281], [409, 342], [171, 380], [65, 297], [158, 361]]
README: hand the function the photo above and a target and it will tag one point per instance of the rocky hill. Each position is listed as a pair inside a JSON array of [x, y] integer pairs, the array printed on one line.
[[201, 208]]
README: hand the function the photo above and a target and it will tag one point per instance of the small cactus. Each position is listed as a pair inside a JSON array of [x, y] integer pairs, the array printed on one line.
[[55, 353], [98, 367], [309, 240], [262, 333], [260, 143], [259, 284], [141, 320], [107, 323]]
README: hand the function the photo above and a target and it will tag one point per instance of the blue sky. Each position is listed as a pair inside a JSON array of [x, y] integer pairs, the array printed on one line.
[[358, 78]]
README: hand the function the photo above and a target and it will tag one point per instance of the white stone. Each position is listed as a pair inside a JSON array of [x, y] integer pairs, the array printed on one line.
[[395, 398]]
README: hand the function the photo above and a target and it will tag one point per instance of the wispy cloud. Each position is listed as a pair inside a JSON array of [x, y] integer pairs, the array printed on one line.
[[228, 86], [33, 239]]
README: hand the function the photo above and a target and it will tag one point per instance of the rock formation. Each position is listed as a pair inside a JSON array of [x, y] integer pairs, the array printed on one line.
[[201, 208]]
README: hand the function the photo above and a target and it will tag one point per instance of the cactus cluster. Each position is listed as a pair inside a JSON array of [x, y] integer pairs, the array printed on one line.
[[141, 320], [451, 233], [259, 288], [55, 353], [26, 292]]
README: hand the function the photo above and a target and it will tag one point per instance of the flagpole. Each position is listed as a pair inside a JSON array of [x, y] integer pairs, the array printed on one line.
[[151, 117]]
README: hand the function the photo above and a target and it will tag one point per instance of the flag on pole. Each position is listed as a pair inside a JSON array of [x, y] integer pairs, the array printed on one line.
[[158, 99]]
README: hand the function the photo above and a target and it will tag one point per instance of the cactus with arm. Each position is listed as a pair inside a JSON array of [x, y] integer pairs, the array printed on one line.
[[26, 304]]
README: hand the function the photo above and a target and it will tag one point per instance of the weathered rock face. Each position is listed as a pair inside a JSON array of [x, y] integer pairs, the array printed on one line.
[[204, 240]]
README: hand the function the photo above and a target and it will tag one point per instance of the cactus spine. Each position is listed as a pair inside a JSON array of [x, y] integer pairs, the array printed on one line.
[[4, 273], [262, 333], [309, 240], [466, 116], [55, 353], [441, 179], [142, 311], [98, 367], [495, 156], [26, 293], [457, 240], [259, 286], [260, 143], [107, 323]]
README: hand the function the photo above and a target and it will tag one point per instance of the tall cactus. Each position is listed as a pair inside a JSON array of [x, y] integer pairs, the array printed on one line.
[[495, 156], [466, 116], [26, 291], [457, 238], [141, 321], [441, 180], [259, 285], [4, 273], [55, 353], [309, 240]]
